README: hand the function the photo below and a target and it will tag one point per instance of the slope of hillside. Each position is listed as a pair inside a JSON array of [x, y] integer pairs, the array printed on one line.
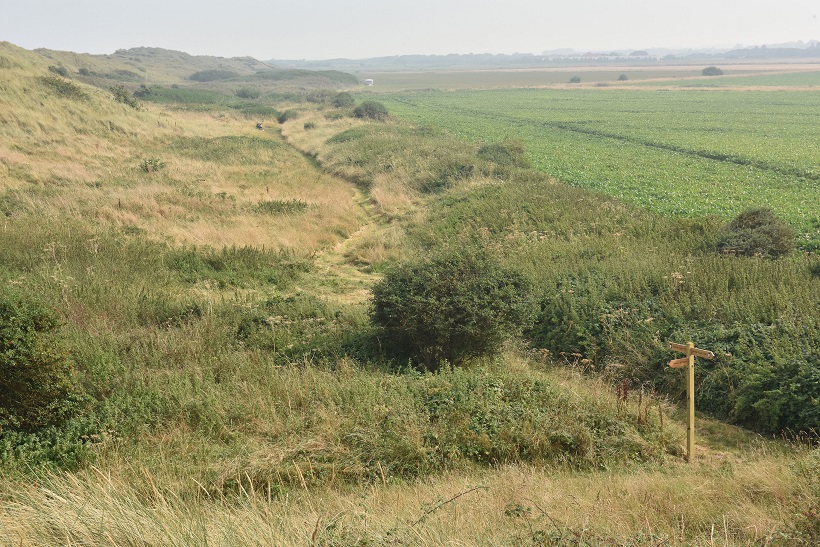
[[71, 150]]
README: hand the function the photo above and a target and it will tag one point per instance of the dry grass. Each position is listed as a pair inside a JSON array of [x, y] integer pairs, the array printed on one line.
[[752, 501], [61, 159]]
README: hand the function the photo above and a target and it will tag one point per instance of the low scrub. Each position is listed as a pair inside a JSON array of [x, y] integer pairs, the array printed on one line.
[[122, 95], [212, 75], [35, 372], [756, 232], [371, 110], [64, 88], [450, 308]]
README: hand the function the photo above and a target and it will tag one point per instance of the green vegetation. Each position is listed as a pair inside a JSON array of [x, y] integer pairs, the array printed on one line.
[[149, 165], [35, 375], [343, 100], [450, 308], [756, 232], [287, 115], [712, 71], [248, 93], [371, 110], [121, 95], [666, 152], [344, 332], [65, 88], [213, 75]]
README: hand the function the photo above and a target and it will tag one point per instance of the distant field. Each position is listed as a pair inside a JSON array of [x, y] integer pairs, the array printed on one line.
[[505, 78], [779, 79], [671, 75], [674, 152]]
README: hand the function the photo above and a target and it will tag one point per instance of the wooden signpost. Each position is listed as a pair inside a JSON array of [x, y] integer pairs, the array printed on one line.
[[689, 362]]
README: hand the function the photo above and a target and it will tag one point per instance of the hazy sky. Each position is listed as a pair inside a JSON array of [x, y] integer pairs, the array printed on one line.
[[322, 29]]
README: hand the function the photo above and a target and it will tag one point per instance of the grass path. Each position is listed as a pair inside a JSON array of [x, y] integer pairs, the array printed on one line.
[[339, 278]]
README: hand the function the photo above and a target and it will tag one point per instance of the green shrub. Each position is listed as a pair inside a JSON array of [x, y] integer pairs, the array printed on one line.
[[451, 171], [756, 232], [450, 308], [371, 110], [121, 95], [343, 100], [35, 373], [149, 165], [575, 80], [247, 93], [61, 70], [143, 92], [287, 115], [712, 71], [64, 88]]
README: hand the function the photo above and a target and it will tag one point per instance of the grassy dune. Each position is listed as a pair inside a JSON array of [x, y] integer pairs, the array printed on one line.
[[192, 178]]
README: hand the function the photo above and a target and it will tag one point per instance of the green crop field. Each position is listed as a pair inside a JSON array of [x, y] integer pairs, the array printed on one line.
[[792, 79], [674, 151]]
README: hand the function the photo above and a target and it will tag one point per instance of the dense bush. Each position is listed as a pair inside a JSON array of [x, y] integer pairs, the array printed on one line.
[[143, 92], [712, 71], [450, 308], [343, 100], [756, 232], [61, 70], [121, 95], [371, 110], [35, 374], [248, 93]]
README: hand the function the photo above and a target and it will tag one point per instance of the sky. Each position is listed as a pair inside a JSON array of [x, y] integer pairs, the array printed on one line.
[[356, 29]]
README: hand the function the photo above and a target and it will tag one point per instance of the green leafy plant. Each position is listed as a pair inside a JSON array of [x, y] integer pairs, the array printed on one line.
[[451, 308], [35, 372], [149, 165]]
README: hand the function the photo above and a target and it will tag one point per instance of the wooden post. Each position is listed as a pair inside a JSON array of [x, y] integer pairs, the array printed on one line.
[[690, 403], [689, 362]]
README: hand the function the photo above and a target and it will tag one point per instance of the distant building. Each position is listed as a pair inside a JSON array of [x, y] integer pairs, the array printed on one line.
[[368, 82]]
